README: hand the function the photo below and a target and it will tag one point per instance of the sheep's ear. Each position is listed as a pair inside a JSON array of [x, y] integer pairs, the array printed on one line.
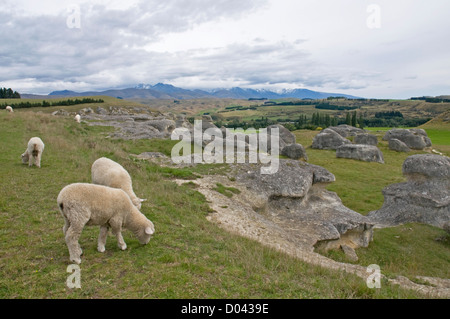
[[149, 231]]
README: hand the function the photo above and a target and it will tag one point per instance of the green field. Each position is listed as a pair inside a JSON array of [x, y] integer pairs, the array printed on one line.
[[188, 257]]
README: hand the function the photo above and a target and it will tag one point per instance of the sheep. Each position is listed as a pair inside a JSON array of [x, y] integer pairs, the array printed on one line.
[[34, 151], [9, 109], [78, 118], [109, 173], [88, 204]]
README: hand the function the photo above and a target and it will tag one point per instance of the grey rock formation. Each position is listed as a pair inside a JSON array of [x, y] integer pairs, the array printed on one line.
[[397, 145], [285, 135], [367, 153], [366, 138], [294, 151], [413, 138], [345, 130], [295, 200], [424, 198], [329, 139]]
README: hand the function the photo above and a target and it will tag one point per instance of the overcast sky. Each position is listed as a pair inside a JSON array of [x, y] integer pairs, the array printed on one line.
[[376, 48]]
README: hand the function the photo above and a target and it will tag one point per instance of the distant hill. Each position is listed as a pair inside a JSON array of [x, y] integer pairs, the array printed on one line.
[[167, 91]]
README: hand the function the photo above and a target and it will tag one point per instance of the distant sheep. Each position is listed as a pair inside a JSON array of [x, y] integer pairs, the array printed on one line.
[[9, 109], [78, 118], [109, 173], [34, 152], [87, 204]]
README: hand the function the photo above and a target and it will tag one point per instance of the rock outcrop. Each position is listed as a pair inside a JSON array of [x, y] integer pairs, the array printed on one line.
[[361, 152], [294, 151], [424, 198], [397, 145], [416, 139], [294, 201], [345, 130], [329, 139], [366, 138]]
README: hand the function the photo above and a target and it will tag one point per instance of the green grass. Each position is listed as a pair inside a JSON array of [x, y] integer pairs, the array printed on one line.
[[189, 257], [227, 191]]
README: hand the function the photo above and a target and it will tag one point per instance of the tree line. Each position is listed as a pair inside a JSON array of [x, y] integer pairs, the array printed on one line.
[[9, 94], [44, 103]]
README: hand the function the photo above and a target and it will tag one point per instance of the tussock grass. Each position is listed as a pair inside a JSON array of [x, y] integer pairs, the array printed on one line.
[[188, 257]]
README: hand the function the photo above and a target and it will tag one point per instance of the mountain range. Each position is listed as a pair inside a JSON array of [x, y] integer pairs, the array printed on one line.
[[168, 91]]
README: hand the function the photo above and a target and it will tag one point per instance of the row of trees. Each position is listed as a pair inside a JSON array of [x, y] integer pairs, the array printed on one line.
[[44, 103], [9, 94]]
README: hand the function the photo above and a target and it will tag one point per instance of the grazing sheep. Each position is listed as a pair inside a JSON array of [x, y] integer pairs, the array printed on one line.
[[33, 151], [89, 204], [78, 118], [109, 173], [9, 109]]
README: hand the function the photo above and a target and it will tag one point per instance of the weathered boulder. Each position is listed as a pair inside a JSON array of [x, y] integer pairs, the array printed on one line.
[[366, 138], [397, 145], [345, 130], [424, 198], [328, 139], [366, 153], [413, 138], [285, 135], [294, 151], [295, 202]]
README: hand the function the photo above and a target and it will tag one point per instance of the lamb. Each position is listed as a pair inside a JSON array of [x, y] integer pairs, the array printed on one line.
[[78, 118], [34, 151], [88, 204], [9, 109], [109, 173]]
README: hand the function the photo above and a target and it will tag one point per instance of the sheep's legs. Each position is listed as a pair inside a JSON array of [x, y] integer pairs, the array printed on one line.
[[72, 236], [117, 231], [102, 238], [38, 160]]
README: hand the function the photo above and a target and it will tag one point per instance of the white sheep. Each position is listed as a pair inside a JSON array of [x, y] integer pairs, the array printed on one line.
[[78, 118], [9, 109], [88, 204], [34, 152], [109, 173]]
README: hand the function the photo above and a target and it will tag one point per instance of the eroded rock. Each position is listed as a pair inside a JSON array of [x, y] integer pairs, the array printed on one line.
[[424, 198]]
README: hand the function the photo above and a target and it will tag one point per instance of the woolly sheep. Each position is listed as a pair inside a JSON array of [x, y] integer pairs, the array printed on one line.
[[9, 109], [88, 204], [109, 173], [78, 118], [34, 151]]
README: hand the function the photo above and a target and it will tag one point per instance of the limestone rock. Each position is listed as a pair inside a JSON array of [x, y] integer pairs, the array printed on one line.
[[295, 201], [366, 138], [345, 130], [329, 139], [367, 153], [413, 138], [424, 198], [294, 151], [427, 166], [397, 145]]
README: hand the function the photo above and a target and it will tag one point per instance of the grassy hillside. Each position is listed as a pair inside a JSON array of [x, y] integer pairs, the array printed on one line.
[[188, 257]]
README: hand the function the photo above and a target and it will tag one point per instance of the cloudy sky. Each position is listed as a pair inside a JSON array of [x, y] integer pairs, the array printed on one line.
[[369, 48]]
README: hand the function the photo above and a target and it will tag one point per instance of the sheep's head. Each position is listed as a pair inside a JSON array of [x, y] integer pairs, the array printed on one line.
[[146, 232], [25, 157]]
